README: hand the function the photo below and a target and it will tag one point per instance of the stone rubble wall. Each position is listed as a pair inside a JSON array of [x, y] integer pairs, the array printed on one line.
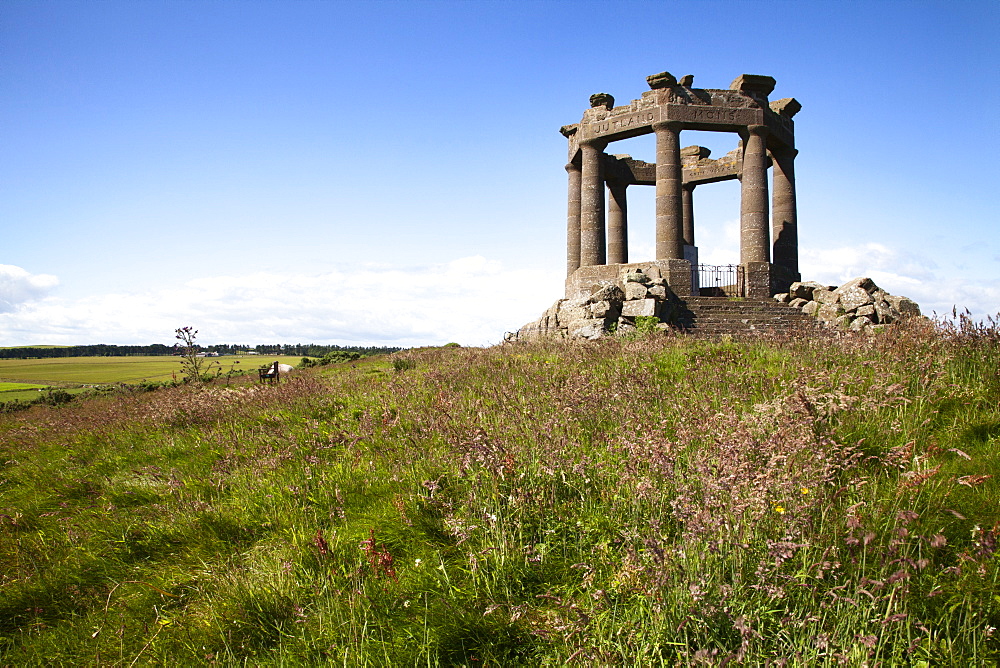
[[857, 305], [636, 293]]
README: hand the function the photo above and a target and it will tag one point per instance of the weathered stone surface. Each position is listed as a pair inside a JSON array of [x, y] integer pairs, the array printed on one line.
[[828, 312], [842, 321], [905, 307], [860, 324], [602, 100], [799, 303], [610, 293], [825, 296], [782, 298], [804, 289], [661, 80], [637, 276], [853, 297], [600, 309], [635, 291], [657, 292], [863, 282], [644, 307], [866, 310], [587, 329], [810, 308], [884, 312]]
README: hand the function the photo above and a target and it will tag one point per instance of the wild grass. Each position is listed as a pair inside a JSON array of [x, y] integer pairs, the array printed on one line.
[[655, 501]]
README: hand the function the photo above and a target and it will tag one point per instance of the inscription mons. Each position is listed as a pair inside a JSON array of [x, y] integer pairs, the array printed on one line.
[[705, 114]]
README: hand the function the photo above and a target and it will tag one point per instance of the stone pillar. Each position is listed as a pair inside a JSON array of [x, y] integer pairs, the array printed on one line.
[[592, 240], [754, 246], [687, 209], [669, 214], [573, 219], [784, 226], [617, 223]]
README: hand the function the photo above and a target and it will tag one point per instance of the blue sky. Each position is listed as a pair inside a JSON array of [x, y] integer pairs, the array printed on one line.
[[391, 173]]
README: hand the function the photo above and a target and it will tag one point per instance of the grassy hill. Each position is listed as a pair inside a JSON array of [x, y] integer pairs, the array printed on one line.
[[657, 501]]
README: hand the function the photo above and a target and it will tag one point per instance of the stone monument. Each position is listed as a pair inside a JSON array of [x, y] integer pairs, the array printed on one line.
[[597, 240]]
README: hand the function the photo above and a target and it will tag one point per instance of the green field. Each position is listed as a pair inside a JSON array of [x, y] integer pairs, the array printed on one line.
[[9, 387], [70, 371]]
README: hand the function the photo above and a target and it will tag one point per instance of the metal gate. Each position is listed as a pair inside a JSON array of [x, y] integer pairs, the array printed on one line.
[[719, 280]]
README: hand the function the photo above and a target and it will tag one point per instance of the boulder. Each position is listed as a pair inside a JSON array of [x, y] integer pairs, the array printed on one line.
[[828, 312], [600, 309], [635, 290], [643, 307], [804, 290], [825, 296], [853, 297], [862, 282], [782, 298], [658, 292], [587, 329], [636, 276], [798, 302], [867, 310], [905, 307], [810, 308], [842, 322], [860, 324]]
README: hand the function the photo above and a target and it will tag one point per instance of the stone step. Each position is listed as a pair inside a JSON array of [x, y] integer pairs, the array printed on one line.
[[720, 315]]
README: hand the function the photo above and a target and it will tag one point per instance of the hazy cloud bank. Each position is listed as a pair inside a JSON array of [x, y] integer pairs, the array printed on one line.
[[471, 300]]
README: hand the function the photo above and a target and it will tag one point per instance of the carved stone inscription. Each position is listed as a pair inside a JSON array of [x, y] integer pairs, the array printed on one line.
[[713, 115], [624, 123]]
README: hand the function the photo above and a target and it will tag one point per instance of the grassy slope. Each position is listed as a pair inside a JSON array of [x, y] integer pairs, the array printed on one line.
[[650, 502], [93, 370]]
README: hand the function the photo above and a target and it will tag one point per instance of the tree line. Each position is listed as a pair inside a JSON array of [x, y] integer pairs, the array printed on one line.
[[108, 350]]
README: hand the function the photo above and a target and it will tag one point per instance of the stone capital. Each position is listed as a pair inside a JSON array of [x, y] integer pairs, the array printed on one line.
[[759, 130], [786, 107], [661, 80], [569, 130], [572, 167], [602, 100], [595, 143], [673, 126], [753, 84]]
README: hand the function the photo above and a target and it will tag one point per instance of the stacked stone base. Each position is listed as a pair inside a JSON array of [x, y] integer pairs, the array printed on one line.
[[616, 305], [856, 306], [613, 306]]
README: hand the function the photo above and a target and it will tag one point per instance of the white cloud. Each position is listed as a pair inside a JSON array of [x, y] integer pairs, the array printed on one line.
[[902, 273], [18, 287], [471, 300]]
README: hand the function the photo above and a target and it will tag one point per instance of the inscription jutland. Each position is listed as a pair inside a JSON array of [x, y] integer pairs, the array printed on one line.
[[633, 120]]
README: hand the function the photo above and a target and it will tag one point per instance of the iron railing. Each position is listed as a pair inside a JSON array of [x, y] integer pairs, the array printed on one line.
[[718, 280]]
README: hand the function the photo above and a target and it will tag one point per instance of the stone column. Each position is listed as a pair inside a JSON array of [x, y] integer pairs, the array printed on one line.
[[573, 219], [617, 223], [687, 208], [754, 246], [669, 214], [592, 240], [784, 226]]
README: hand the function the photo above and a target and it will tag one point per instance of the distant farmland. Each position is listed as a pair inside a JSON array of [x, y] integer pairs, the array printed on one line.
[[67, 372]]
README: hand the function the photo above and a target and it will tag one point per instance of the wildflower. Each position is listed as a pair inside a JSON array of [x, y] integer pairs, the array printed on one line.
[[418, 562], [804, 490], [780, 510]]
